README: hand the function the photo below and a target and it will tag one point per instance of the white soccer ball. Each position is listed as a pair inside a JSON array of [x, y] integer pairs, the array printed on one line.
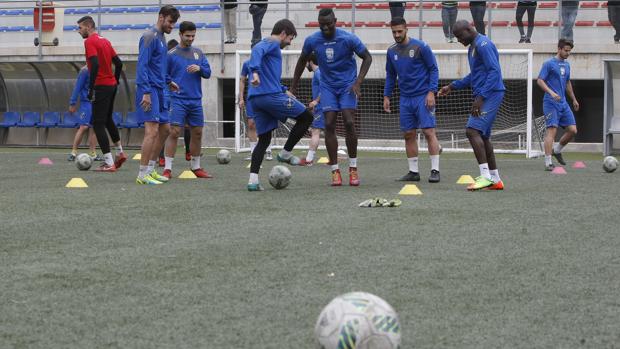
[[610, 164], [83, 162], [280, 177], [358, 320], [223, 156]]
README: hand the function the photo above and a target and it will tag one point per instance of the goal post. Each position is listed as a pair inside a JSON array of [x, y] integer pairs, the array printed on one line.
[[380, 131]]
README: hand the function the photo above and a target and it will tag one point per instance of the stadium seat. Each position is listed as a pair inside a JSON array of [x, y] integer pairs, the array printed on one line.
[[3, 29], [11, 118], [584, 23], [434, 24], [106, 27], [69, 11], [506, 5], [70, 27], [50, 119], [548, 5], [121, 27], [118, 118], [30, 119], [588, 4], [312, 25], [382, 6], [131, 121], [500, 23], [209, 8], [542, 23], [429, 5], [140, 26], [83, 11], [463, 5], [13, 12], [119, 9], [28, 12], [376, 24], [365, 6], [29, 28], [320, 6], [152, 9], [604, 5], [344, 6], [69, 120], [213, 25], [2, 12], [603, 24], [188, 8], [138, 9], [411, 5], [415, 24]]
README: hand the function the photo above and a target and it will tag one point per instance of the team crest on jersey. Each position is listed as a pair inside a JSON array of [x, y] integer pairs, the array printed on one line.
[[396, 56], [562, 71], [289, 103], [329, 54], [196, 55], [411, 53]]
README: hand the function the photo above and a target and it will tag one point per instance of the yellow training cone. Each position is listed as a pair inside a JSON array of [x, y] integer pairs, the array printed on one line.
[[137, 157], [187, 175], [465, 179], [410, 189], [76, 183], [323, 160]]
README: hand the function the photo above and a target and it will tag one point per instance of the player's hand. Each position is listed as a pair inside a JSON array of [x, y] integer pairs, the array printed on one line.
[[72, 109], [477, 106], [575, 105], [241, 103], [430, 100], [444, 91], [194, 68], [91, 95], [146, 102], [255, 79], [386, 104], [173, 86], [556, 97], [312, 104], [357, 89], [293, 90]]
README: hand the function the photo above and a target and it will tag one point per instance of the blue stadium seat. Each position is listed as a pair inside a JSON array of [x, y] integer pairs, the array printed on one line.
[[13, 12], [17, 28], [118, 9], [69, 11], [213, 25], [28, 12], [69, 120], [83, 11], [11, 118], [210, 8], [3, 29], [131, 121], [140, 26], [189, 8], [106, 27], [138, 9], [2, 12], [200, 25], [70, 28], [29, 28], [152, 9], [103, 9], [118, 118], [50, 119], [121, 27], [30, 119]]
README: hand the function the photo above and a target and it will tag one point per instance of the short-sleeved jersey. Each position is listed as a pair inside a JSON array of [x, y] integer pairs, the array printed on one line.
[[100, 47], [245, 69], [486, 74], [190, 84], [414, 66], [80, 90], [556, 74], [151, 66], [316, 89], [335, 56], [266, 59]]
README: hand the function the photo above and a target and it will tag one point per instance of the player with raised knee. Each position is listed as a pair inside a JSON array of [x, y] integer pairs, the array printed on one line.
[[340, 85], [80, 94], [270, 101], [249, 114], [554, 79], [150, 83], [485, 80], [186, 67], [102, 87], [318, 124], [413, 64]]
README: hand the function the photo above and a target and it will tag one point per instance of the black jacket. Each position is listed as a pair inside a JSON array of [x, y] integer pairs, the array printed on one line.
[[229, 6]]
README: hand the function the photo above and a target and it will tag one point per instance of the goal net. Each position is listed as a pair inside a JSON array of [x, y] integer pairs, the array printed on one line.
[[513, 130]]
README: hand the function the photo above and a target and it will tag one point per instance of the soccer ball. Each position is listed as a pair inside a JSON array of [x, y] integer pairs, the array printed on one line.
[[83, 162], [358, 320], [280, 177], [223, 156], [610, 164]]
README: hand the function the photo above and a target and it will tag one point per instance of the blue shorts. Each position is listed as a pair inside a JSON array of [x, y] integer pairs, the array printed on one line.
[[337, 99], [85, 113], [414, 113], [249, 112], [319, 121], [156, 113], [274, 107], [558, 114], [490, 107], [186, 112]]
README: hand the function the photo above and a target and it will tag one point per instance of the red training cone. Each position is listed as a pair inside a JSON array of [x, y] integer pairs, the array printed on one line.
[[45, 161], [579, 164], [559, 170]]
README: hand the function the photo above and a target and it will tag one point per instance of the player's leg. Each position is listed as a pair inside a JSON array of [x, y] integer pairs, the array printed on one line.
[[347, 100], [493, 170], [251, 135], [331, 107], [257, 159], [92, 145], [170, 149], [550, 109], [433, 151], [303, 119], [100, 109], [195, 119], [160, 141], [566, 120], [187, 136], [120, 156], [315, 136], [151, 129], [79, 134], [411, 150], [478, 145]]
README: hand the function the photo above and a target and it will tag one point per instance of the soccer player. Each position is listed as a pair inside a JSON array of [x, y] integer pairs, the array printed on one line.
[[80, 94], [318, 123], [150, 81], [270, 103], [101, 91], [485, 80], [413, 63], [243, 79], [340, 85], [554, 79], [186, 67]]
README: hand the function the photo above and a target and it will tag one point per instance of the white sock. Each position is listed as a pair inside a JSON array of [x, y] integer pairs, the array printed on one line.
[[413, 164], [195, 162], [252, 146], [495, 175], [548, 160], [143, 171], [558, 148], [484, 170], [310, 156], [435, 162], [334, 167], [352, 162], [151, 166], [119, 148], [268, 149], [107, 157], [284, 154], [253, 178], [168, 165]]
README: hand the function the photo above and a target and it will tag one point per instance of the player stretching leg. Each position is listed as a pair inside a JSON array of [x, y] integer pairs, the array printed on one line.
[[340, 85], [243, 79], [270, 103], [80, 93], [413, 63], [186, 68], [554, 79], [485, 80]]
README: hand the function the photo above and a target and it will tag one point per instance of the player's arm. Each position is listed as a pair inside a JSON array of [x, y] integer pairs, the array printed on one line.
[[455, 85], [571, 94], [79, 86], [145, 50], [240, 98], [205, 68], [118, 68], [542, 76], [366, 62], [170, 66], [390, 82], [299, 69], [431, 67], [254, 65], [94, 70]]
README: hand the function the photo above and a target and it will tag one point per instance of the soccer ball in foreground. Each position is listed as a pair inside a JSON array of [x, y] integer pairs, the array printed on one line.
[[83, 162], [610, 164], [358, 320], [280, 177], [223, 156]]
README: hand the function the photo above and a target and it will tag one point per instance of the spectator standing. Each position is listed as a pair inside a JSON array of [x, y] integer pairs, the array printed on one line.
[[530, 8], [397, 9], [477, 9], [613, 11], [257, 10], [449, 11], [230, 21], [569, 14]]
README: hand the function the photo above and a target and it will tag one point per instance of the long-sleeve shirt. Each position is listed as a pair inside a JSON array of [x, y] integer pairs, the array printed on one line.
[[266, 60], [415, 68], [151, 66], [80, 90], [486, 74], [316, 89], [190, 84]]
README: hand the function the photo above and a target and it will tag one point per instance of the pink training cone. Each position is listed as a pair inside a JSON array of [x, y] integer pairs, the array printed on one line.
[[45, 161], [559, 170], [579, 164]]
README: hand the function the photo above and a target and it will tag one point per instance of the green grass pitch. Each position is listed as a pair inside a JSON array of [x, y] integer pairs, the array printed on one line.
[[206, 264]]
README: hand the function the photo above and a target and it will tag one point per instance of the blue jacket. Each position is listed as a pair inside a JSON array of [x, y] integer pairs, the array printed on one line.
[[190, 85], [80, 90], [486, 74], [151, 66], [414, 66]]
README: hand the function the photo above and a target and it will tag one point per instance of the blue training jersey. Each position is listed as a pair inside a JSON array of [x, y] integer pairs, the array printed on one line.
[[80, 90], [151, 66], [335, 56], [556, 74], [245, 70], [316, 89], [190, 84], [414, 66], [485, 75], [266, 60]]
